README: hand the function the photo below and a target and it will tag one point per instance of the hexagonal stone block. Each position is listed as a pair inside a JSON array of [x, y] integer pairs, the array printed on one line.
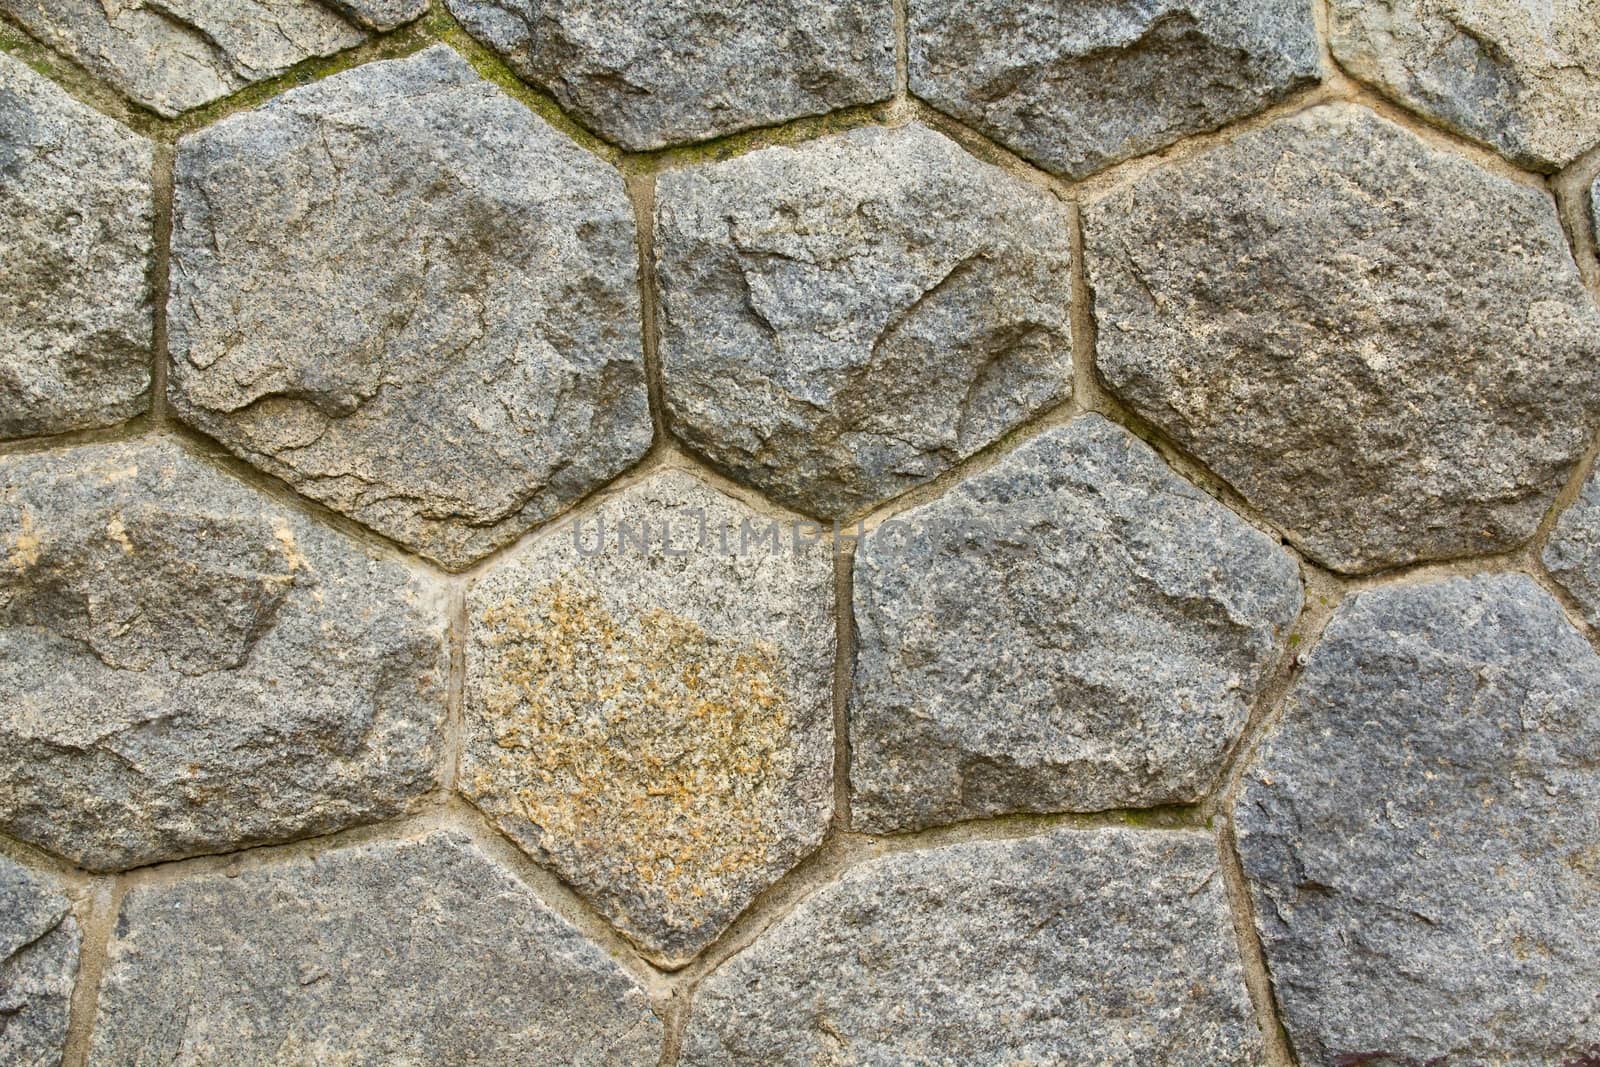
[[38, 966], [649, 707], [1076, 629], [193, 668], [174, 55], [646, 76], [846, 319], [1082, 946], [1384, 348], [1420, 832], [391, 952], [407, 296], [1572, 552], [1077, 87], [77, 227], [1522, 78]]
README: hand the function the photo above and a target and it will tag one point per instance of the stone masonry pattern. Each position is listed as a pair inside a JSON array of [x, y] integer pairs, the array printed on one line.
[[817, 532]]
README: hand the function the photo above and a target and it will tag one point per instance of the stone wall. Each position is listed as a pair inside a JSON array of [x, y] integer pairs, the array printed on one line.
[[808, 532]]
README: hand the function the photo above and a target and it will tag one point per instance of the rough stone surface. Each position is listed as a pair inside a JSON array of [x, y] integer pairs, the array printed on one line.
[[1099, 946], [648, 75], [174, 55], [1572, 552], [191, 668], [1075, 629], [656, 725], [1076, 87], [381, 14], [1420, 833], [403, 293], [76, 231], [1385, 348], [1519, 76], [423, 952], [846, 319], [408, 292], [38, 964]]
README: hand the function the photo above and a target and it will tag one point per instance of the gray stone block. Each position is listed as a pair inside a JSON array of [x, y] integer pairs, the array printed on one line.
[[1076, 87], [381, 14], [675, 71], [191, 668], [1522, 78], [1572, 551], [407, 296], [418, 952], [1100, 946], [1420, 835], [39, 943], [1385, 348], [77, 228], [174, 55], [846, 319]]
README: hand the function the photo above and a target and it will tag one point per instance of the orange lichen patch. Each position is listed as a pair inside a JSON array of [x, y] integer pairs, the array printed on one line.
[[645, 755]]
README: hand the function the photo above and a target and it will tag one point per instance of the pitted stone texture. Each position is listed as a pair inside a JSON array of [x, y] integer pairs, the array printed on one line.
[[656, 724], [190, 668], [844, 320], [406, 295], [1097, 946], [1520, 77], [649, 75], [1384, 348], [1076, 87], [381, 14], [1420, 833], [38, 966], [76, 234], [1572, 552], [174, 55], [1074, 630], [422, 952]]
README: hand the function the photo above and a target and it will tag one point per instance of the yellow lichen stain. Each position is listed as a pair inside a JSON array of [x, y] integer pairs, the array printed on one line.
[[291, 549], [23, 546], [1586, 861], [118, 533], [653, 751], [120, 474]]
